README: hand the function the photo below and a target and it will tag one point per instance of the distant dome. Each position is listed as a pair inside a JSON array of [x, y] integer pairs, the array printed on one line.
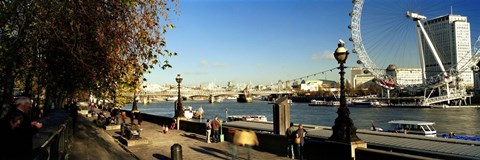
[[392, 67]]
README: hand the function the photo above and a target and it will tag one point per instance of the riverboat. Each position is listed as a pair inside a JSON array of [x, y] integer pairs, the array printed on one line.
[[324, 103], [198, 114], [171, 99], [314, 102], [366, 104], [412, 127], [275, 101], [440, 106], [188, 112], [244, 98], [261, 118]]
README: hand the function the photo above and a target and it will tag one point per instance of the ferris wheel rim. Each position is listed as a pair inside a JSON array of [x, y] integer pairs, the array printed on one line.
[[370, 66]]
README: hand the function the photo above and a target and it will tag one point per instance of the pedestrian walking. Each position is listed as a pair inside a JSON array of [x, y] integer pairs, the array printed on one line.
[[291, 134], [22, 140], [208, 127], [74, 113], [8, 125], [216, 129], [300, 140]]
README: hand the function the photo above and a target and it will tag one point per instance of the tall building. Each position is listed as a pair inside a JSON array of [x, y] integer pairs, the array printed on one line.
[[450, 35], [359, 78]]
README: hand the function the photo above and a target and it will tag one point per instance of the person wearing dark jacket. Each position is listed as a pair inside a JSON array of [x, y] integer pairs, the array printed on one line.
[[216, 129], [20, 142], [300, 140], [290, 133]]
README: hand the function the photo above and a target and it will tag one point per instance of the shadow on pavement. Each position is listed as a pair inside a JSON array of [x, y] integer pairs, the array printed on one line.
[[193, 136], [161, 157], [213, 152]]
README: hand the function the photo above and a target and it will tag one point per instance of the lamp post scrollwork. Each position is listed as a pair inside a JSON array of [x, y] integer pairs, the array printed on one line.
[[178, 102], [344, 130]]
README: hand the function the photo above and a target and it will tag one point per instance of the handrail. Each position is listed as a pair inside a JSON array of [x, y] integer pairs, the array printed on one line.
[[56, 146]]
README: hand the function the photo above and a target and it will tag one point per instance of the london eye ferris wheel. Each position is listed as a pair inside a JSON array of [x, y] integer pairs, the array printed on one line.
[[395, 34]]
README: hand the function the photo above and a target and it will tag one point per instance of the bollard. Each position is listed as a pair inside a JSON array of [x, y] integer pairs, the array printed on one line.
[[176, 152]]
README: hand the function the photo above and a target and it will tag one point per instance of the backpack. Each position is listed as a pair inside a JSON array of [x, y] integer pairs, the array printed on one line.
[[209, 127]]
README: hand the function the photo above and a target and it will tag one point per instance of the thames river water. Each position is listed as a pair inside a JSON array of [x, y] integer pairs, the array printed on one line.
[[462, 121]]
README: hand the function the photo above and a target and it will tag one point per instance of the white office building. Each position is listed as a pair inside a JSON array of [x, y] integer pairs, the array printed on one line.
[[359, 78], [405, 76], [450, 35]]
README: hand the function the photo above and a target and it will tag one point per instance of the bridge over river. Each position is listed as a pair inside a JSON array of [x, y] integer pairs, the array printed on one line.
[[203, 94]]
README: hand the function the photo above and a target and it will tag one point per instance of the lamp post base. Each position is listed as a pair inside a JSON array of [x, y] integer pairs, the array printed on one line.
[[344, 133], [178, 122], [344, 130]]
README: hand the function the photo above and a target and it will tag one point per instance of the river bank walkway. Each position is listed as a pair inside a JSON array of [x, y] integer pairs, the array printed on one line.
[[93, 142], [405, 143]]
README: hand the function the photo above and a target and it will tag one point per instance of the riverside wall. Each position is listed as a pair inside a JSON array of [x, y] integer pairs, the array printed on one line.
[[277, 144]]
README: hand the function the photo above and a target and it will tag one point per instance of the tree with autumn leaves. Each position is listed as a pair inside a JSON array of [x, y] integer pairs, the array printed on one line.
[[60, 50]]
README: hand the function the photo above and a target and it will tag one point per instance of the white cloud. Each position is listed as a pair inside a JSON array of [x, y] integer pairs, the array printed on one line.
[[203, 63], [325, 55], [260, 66]]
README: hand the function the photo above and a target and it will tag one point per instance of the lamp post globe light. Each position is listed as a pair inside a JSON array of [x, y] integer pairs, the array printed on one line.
[[344, 129], [178, 102]]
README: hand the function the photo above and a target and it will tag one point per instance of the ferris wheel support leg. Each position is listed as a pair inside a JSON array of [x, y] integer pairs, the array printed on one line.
[[422, 58], [448, 91], [388, 93]]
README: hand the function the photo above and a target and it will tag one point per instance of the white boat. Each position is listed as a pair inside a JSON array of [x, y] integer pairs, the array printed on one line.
[[413, 127], [198, 114], [275, 101], [333, 103], [440, 106], [261, 118], [314, 102], [365, 104], [188, 112], [324, 103], [172, 98]]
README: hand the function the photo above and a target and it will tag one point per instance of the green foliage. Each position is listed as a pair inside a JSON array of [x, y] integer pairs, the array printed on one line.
[[67, 47]]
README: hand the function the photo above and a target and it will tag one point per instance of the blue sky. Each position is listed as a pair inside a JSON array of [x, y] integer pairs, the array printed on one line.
[[257, 41]]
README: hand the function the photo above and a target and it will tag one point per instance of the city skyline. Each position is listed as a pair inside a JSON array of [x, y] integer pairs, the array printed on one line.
[[256, 41]]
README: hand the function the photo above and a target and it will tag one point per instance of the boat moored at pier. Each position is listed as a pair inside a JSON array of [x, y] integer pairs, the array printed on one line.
[[412, 127], [365, 104], [261, 118], [314, 102]]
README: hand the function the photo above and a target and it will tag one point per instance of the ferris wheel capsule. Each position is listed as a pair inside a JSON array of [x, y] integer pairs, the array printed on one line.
[[475, 68]]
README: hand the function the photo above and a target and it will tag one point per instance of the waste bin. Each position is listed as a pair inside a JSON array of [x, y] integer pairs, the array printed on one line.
[[176, 152]]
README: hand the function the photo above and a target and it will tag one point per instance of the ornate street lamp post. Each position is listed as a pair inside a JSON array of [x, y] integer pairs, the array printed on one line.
[[343, 130], [178, 102], [134, 104]]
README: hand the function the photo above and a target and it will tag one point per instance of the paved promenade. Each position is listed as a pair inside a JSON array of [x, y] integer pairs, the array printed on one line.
[[92, 142]]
